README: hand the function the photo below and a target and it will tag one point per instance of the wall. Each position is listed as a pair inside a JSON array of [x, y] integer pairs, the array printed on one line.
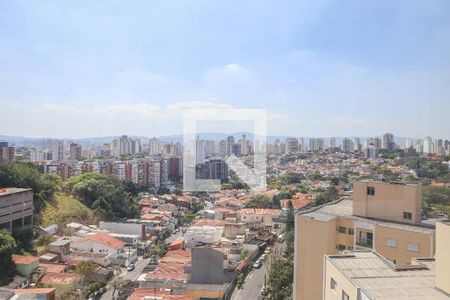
[[442, 256], [389, 201], [127, 228], [208, 266], [343, 284], [400, 253], [313, 240]]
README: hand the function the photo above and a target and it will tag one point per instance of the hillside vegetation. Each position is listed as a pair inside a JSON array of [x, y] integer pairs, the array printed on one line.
[[63, 209]]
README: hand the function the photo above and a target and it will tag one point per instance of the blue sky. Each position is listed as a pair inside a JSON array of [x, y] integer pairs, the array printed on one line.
[[320, 68]]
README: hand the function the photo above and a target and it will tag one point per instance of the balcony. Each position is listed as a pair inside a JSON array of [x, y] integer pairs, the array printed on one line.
[[367, 243]]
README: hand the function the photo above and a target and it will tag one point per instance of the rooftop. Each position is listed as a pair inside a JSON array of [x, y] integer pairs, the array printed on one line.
[[260, 211], [24, 260], [60, 278], [151, 293], [9, 191], [344, 208], [102, 238], [378, 278]]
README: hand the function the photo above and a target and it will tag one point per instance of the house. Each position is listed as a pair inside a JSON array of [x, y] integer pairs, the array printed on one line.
[[36, 293], [258, 215], [151, 293], [102, 243], [25, 265], [61, 281]]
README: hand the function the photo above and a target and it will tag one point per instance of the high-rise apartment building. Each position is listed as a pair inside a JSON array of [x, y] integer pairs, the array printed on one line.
[[210, 148], [381, 216], [244, 145], [199, 151], [407, 143], [229, 145], [388, 141], [58, 150], [332, 143], [428, 145], [347, 145], [291, 145], [316, 145], [7, 153], [74, 151], [357, 145], [154, 146]]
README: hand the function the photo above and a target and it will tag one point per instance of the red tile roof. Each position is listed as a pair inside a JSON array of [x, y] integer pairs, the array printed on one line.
[[260, 211], [177, 256], [168, 271], [299, 201], [208, 222], [24, 260], [102, 238], [53, 268], [155, 217], [60, 278]]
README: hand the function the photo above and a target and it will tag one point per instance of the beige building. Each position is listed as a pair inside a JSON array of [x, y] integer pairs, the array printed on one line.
[[382, 217], [16, 209], [366, 275]]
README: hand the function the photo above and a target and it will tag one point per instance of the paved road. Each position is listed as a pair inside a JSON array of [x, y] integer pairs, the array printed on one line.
[[252, 285], [173, 237], [140, 265]]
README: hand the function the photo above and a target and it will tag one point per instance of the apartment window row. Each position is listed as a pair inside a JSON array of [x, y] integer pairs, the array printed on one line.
[[334, 287], [407, 215], [343, 229], [341, 247], [413, 247]]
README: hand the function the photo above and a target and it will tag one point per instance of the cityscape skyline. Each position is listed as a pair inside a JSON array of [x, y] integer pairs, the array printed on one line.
[[348, 69]]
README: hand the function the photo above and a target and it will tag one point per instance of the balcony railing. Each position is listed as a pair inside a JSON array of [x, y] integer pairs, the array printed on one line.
[[364, 242]]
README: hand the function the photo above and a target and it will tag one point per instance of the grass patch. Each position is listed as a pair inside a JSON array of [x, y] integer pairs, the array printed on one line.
[[64, 209]]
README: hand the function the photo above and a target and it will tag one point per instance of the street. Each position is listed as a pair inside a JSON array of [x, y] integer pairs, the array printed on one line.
[[174, 237], [140, 265], [252, 285]]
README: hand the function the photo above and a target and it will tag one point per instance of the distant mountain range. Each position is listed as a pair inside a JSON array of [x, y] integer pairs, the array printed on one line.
[[20, 141]]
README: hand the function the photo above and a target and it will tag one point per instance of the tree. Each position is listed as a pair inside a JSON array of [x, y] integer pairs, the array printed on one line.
[[7, 266], [281, 276], [85, 269], [329, 195], [240, 280], [107, 195], [118, 285]]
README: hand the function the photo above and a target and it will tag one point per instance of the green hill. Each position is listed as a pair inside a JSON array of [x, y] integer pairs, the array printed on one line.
[[64, 209]]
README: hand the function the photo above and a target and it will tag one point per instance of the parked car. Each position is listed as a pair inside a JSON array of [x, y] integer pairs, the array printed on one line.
[[130, 267], [267, 251], [262, 257], [145, 255], [263, 291], [257, 264]]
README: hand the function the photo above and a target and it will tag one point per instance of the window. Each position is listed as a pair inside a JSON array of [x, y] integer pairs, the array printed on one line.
[[413, 247], [371, 191], [350, 248], [341, 247], [407, 215], [391, 243], [345, 296], [342, 229], [351, 231], [333, 284]]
